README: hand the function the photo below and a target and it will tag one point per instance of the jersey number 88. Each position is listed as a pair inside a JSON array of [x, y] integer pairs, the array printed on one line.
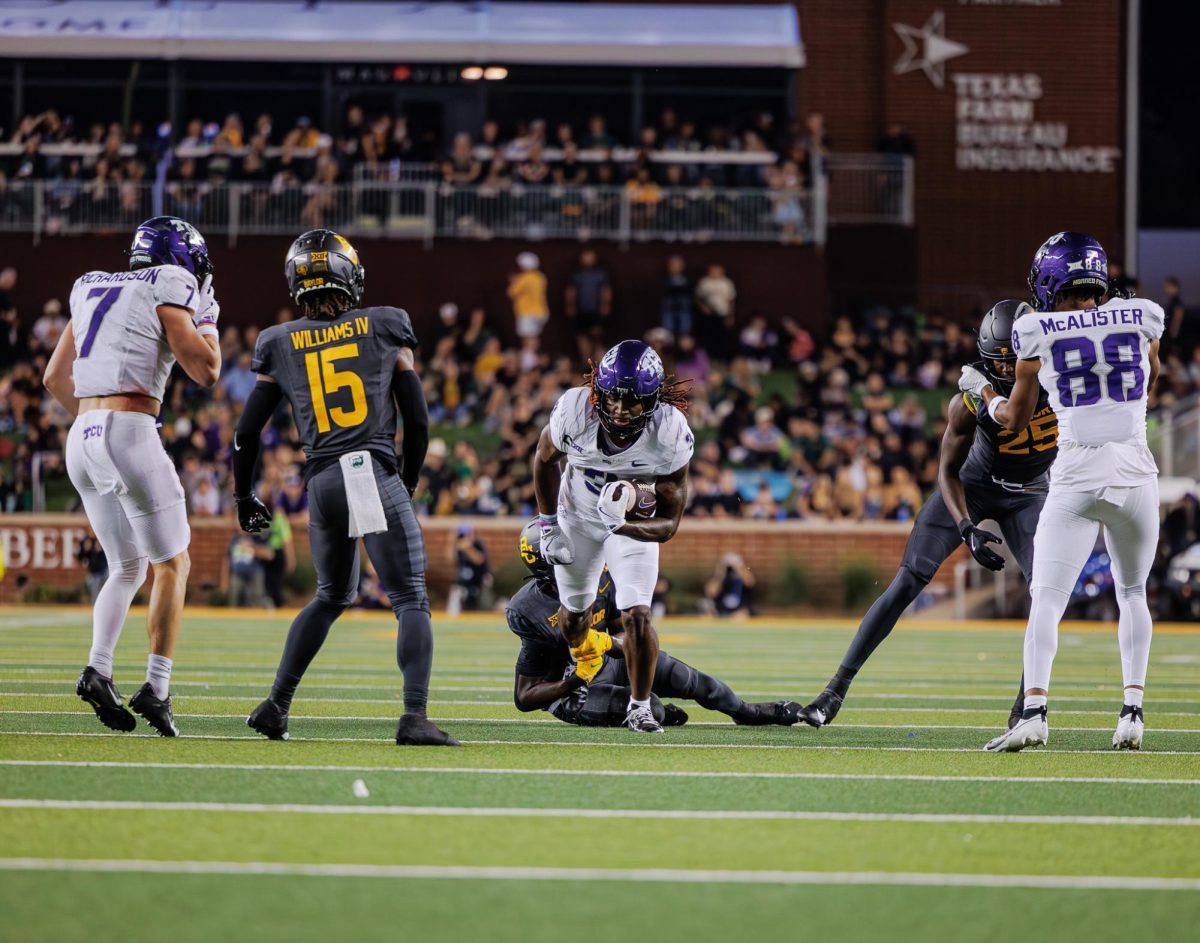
[[1090, 392]]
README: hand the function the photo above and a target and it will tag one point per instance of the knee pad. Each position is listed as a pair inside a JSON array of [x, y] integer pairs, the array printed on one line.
[[580, 602], [409, 601], [132, 572], [912, 582], [1131, 593], [683, 680], [335, 605]]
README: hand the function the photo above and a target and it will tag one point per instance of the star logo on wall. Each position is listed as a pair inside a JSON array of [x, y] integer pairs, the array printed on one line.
[[927, 48]]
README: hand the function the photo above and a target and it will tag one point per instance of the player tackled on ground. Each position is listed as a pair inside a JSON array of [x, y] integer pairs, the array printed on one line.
[[346, 371], [1098, 361], [985, 472], [626, 422], [594, 691], [109, 370]]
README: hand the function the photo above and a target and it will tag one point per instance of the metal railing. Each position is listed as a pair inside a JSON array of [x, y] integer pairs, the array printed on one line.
[[407, 203], [425, 210], [1173, 434]]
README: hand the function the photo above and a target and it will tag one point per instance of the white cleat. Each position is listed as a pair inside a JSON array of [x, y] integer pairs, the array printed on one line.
[[1130, 728], [1030, 731], [641, 720]]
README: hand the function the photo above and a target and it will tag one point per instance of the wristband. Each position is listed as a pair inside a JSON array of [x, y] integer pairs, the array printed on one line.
[[996, 403], [547, 520], [208, 329]]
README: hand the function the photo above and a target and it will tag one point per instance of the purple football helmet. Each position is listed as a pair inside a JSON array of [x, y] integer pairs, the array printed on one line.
[[633, 372], [1067, 260], [169, 240]]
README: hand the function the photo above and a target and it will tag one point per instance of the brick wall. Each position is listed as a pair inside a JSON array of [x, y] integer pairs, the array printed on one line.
[[40, 551]]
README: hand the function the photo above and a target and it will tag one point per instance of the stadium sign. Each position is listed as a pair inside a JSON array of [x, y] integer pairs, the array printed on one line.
[[997, 126], [40, 547]]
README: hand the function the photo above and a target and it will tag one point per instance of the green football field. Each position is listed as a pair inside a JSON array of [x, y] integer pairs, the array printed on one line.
[[891, 824]]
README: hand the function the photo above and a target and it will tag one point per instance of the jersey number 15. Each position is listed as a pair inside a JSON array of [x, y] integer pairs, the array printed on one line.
[[325, 378], [1120, 366]]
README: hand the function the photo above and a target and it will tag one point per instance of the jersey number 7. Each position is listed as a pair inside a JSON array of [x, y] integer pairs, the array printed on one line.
[[324, 378]]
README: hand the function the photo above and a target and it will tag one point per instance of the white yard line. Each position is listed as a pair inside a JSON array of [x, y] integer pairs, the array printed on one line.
[[656, 744], [589, 773], [713, 815], [541, 721], [633, 875]]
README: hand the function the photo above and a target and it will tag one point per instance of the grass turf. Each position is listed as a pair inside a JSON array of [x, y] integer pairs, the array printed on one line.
[[867, 817]]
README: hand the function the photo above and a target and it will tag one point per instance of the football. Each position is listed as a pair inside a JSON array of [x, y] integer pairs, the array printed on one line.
[[645, 501]]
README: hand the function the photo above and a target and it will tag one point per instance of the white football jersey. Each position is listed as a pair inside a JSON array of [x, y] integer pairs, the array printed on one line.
[[120, 344], [1095, 367], [664, 447]]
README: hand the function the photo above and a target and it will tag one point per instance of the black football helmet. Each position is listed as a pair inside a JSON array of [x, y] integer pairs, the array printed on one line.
[[995, 341], [530, 547], [322, 260]]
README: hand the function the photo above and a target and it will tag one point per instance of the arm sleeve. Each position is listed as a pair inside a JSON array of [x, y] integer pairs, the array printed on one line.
[[410, 400], [259, 406], [176, 286]]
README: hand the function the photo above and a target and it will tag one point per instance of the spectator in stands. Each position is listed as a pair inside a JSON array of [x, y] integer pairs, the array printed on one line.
[[588, 303], [527, 291], [533, 170], [472, 574], [1180, 328], [730, 589], [677, 291], [205, 499], [715, 299], [245, 560], [764, 441], [462, 168], [570, 171], [897, 142], [48, 328], [239, 379], [597, 136], [95, 564], [817, 143], [292, 499]]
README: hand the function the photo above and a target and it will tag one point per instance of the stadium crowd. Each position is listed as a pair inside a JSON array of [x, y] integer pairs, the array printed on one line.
[[788, 424], [524, 171]]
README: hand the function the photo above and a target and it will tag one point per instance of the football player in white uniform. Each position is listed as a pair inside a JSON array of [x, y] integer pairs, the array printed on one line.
[[625, 424], [109, 370], [1098, 361]]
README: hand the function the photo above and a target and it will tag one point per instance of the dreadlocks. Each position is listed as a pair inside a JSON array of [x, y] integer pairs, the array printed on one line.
[[674, 391], [324, 304]]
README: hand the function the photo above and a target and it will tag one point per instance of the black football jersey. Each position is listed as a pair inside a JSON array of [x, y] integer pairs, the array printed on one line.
[[337, 374], [532, 615], [1000, 455]]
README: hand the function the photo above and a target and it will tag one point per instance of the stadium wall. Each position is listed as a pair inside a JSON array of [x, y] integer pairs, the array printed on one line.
[[791, 560], [777, 280], [978, 228]]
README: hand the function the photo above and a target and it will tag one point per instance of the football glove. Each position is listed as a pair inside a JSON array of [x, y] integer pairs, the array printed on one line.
[[556, 546], [207, 313], [589, 654], [614, 503], [973, 381], [977, 541], [252, 514]]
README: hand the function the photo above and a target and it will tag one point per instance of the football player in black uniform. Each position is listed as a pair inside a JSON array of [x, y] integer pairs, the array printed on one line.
[[346, 370], [594, 692], [985, 472]]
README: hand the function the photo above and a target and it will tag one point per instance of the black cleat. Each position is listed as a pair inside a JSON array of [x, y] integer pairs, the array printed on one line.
[[270, 720], [676, 716], [775, 714], [417, 731], [1014, 716], [821, 711], [102, 695], [157, 713]]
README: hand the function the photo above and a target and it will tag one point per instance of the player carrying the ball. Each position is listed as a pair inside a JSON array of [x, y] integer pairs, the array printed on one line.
[[625, 423]]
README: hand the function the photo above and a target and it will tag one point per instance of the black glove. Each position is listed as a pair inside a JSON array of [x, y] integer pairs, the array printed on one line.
[[253, 515], [977, 541]]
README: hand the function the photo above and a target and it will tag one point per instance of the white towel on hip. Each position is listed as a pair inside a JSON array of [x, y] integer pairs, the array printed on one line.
[[362, 494]]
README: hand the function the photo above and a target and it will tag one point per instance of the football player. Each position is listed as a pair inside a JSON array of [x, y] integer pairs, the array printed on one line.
[[346, 371], [109, 371], [594, 691], [1097, 361], [985, 472], [626, 422]]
